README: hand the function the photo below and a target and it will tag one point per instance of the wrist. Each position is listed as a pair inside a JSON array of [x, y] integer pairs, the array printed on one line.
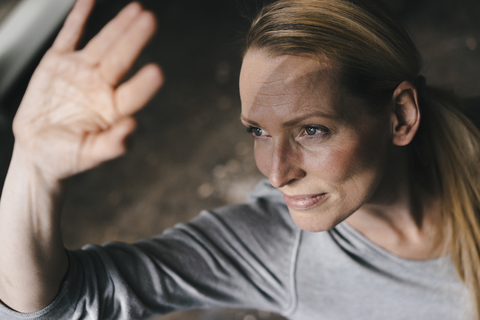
[[34, 195], [24, 167]]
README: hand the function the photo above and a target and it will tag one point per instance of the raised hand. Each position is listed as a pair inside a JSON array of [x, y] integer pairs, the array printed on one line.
[[74, 115]]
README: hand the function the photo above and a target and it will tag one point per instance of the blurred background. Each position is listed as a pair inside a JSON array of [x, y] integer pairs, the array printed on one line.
[[190, 151]]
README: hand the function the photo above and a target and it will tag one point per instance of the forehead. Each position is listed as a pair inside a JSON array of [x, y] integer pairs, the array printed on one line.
[[288, 84]]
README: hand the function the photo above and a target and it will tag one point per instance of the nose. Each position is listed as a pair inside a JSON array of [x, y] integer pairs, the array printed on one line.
[[285, 165]]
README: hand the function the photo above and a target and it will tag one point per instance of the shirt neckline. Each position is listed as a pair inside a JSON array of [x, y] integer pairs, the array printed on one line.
[[375, 248]]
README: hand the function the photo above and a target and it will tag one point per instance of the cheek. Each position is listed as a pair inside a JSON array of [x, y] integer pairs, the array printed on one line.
[[351, 160], [333, 165], [262, 159]]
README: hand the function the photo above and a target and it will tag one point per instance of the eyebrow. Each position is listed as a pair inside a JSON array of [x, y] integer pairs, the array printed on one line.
[[294, 121]]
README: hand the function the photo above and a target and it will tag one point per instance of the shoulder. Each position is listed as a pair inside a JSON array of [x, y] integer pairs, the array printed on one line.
[[263, 216], [259, 230]]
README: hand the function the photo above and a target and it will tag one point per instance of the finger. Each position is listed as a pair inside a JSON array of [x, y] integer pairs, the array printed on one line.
[[106, 145], [72, 29], [136, 92], [97, 47], [123, 54]]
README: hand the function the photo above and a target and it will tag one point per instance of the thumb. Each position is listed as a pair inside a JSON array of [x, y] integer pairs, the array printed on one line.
[[106, 145]]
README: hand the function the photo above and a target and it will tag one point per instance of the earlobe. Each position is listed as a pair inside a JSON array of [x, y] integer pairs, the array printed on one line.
[[406, 114]]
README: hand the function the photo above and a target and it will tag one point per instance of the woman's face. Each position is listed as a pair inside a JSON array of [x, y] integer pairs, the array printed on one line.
[[315, 143]]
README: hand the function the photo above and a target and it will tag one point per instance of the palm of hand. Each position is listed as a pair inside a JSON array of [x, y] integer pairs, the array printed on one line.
[[73, 116], [66, 105]]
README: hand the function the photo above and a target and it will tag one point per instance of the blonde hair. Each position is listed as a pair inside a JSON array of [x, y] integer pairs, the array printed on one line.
[[376, 54]]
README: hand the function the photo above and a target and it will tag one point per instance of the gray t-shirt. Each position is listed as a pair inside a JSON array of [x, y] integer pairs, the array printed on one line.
[[254, 256]]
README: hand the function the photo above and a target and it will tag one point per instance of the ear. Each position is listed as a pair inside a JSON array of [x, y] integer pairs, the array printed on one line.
[[406, 114]]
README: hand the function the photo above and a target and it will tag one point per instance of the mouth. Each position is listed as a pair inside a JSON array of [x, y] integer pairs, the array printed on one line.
[[304, 202]]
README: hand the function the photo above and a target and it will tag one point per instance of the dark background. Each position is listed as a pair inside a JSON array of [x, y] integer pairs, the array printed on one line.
[[190, 150]]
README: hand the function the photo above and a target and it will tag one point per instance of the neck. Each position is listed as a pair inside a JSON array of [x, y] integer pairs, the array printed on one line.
[[402, 216]]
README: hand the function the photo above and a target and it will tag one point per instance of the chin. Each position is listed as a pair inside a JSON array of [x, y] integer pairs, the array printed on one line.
[[314, 221]]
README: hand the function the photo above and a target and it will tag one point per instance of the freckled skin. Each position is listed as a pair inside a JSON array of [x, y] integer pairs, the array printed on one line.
[[347, 160]]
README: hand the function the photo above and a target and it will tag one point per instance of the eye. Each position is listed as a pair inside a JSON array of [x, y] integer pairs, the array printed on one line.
[[255, 131], [311, 131], [315, 130]]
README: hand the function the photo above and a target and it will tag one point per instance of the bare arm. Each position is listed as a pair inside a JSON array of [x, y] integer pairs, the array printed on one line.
[[73, 117]]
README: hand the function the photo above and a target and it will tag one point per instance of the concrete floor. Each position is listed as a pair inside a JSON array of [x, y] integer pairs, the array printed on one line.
[[191, 151]]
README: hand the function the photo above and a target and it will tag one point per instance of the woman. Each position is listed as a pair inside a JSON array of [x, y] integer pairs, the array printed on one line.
[[377, 170]]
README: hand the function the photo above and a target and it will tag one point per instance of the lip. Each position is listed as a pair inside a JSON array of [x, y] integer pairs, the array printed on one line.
[[305, 201]]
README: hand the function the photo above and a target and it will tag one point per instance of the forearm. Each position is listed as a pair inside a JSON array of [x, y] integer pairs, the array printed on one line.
[[33, 261], [67, 134]]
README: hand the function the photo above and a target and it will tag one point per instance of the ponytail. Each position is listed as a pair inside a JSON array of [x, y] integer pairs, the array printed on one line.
[[451, 151]]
